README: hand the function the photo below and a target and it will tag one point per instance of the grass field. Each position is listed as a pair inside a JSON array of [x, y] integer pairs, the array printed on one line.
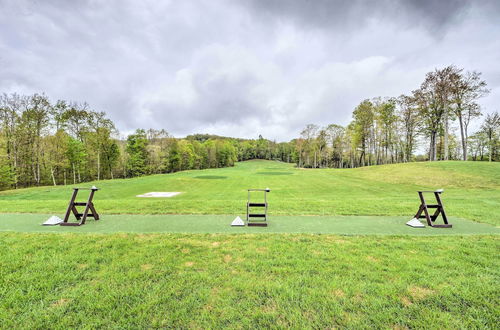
[[303, 271], [472, 191], [248, 281]]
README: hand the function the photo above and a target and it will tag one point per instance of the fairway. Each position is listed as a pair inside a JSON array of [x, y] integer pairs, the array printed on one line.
[[342, 225], [472, 191]]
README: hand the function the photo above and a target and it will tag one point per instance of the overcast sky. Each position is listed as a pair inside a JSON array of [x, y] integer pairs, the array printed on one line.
[[240, 67]]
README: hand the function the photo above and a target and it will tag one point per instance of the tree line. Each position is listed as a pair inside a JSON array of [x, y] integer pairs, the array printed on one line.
[[435, 117], [44, 143], [54, 143]]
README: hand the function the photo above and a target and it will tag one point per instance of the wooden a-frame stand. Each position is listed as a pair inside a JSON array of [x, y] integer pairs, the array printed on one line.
[[89, 206], [424, 208]]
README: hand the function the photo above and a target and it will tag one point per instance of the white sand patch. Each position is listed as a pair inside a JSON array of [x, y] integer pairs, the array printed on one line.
[[159, 194]]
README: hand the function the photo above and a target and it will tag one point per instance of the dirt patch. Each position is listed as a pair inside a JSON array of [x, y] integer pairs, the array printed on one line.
[[419, 293], [215, 244], [399, 327], [61, 302], [227, 258], [372, 259], [406, 302], [338, 293], [146, 266], [189, 264], [270, 308]]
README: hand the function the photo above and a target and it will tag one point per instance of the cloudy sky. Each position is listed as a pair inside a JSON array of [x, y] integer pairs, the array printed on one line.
[[240, 67]]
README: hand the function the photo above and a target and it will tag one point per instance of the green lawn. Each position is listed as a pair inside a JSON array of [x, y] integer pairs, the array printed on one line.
[[176, 262], [472, 191], [248, 281]]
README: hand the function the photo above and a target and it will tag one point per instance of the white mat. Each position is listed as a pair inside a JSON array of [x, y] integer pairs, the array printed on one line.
[[159, 194], [52, 221], [237, 222], [415, 223]]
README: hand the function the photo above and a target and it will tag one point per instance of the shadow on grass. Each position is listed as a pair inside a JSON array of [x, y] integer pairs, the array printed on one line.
[[210, 177]]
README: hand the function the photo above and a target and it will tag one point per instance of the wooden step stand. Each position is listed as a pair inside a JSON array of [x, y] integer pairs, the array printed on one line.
[[424, 208], [89, 206], [257, 219]]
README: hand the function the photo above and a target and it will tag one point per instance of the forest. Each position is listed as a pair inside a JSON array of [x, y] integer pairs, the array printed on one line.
[[59, 143], [431, 123]]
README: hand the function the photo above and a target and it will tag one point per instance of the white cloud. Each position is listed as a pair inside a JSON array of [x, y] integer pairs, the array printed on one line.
[[239, 68]]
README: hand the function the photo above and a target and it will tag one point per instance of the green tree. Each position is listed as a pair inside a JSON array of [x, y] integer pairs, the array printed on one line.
[[7, 175], [363, 117], [137, 150], [76, 155]]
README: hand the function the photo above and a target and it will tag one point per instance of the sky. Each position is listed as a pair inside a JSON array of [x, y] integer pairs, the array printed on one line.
[[240, 67]]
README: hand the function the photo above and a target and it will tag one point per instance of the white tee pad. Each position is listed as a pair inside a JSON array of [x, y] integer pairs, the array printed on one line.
[[159, 194]]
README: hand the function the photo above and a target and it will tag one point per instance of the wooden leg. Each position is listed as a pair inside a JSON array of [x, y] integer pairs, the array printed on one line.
[[419, 212], [71, 205], [75, 212], [94, 212], [87, 207], [441, 207], [424, 208], [436, 214]]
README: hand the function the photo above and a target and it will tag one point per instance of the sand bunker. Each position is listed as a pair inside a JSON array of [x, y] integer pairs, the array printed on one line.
[[159, 194]]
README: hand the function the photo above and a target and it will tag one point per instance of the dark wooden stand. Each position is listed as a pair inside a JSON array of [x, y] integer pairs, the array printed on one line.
[[257, 219], [424, 208], [89, 206]]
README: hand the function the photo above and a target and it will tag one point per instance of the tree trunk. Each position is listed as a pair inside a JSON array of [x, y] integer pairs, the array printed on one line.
[[464, 138], [98, 165], [53, 177], [490, 152], [433, 147], [445, 140]]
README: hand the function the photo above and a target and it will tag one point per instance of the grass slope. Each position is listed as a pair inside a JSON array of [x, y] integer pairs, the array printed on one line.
[[248, 281], [472, 191]]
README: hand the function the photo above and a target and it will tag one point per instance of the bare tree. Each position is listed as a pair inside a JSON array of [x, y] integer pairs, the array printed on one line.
[[409, 124], [433, 99], [491, 127], [465, 90]]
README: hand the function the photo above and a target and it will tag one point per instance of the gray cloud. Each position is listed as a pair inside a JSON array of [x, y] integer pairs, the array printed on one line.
[[239, 68], [354, 14]]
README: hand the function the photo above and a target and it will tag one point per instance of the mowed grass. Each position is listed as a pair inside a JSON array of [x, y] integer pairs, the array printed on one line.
[[220, 224], [248, 281], [472, 191], [264, 279]]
